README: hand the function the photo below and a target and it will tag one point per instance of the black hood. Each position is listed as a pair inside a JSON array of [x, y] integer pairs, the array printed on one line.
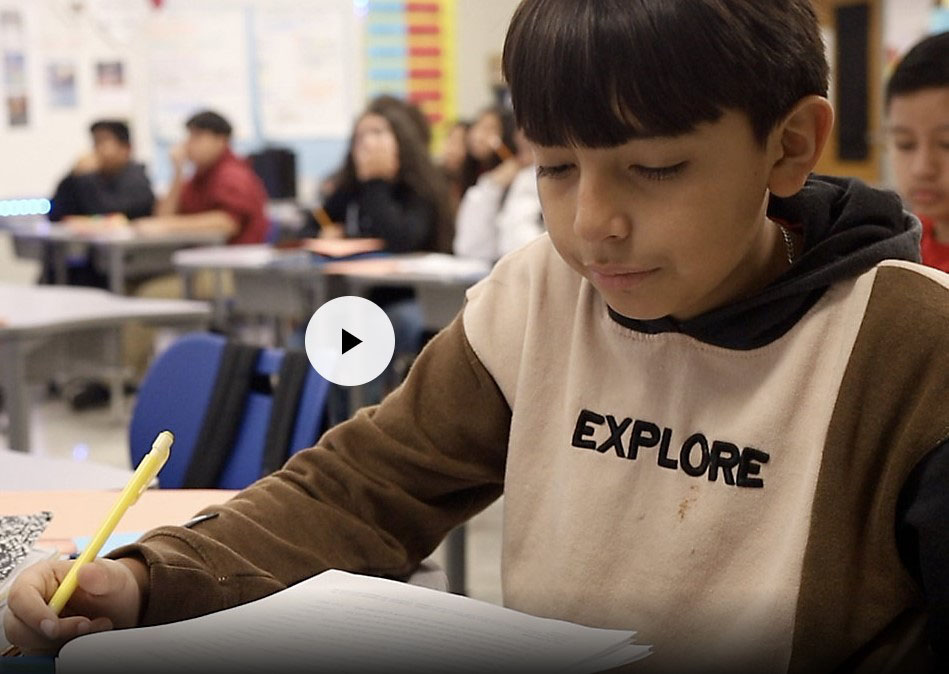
[[848, 228]]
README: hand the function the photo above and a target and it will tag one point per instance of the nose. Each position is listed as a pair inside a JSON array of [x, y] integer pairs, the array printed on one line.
[[923, 164], [599, 214]]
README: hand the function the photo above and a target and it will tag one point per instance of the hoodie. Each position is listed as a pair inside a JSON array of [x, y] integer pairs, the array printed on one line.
[[757, 489]]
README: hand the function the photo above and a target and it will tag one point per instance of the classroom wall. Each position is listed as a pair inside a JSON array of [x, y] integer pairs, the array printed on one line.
[[36, 155], [482, 25]]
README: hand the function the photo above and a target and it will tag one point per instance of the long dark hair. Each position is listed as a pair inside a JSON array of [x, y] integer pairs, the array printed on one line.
[[417, 171], [472, 168]]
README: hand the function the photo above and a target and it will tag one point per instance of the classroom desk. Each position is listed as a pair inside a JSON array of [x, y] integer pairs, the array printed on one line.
[[292, 284], [39, 323], [439, 281], [28, 472], [79, 512], [120, 253]]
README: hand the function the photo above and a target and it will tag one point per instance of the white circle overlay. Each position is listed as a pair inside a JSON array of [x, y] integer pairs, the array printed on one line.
[[362, 319]]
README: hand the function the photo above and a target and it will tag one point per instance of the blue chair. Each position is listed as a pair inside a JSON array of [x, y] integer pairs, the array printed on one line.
[[176, 394]]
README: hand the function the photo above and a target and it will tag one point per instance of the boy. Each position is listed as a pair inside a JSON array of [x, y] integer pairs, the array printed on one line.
[[224, 194], [717, 416], [917, 107], [106, 181]]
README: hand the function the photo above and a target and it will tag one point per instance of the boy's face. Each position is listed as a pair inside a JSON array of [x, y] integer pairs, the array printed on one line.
[[918, 138], [112, 153], [666, 225]]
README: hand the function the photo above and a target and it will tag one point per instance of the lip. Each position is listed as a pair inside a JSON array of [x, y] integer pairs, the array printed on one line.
[[924, 196], [614, 277]]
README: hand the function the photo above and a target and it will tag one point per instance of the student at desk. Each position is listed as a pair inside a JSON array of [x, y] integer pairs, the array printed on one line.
[[714, 395], [106, 181], [224, 194], [388, 187]]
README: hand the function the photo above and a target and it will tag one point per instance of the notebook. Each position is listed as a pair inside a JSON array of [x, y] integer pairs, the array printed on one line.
[[339, 622]]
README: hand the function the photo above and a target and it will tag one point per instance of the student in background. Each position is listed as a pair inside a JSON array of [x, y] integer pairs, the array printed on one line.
[[388, 186], [490, 141], [105, 181], [501, 212], [714, 396], [917, 111], [223, 195], [452, 159]]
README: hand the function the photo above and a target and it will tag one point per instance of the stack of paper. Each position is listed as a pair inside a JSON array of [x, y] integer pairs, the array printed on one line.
[[338, 622]]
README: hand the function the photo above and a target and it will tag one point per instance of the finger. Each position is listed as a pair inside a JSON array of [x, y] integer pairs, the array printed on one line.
[[27, 604], [19, 634], [102, 578]]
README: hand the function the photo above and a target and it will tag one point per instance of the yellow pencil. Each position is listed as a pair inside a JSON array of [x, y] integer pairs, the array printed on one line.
[[144, 474]]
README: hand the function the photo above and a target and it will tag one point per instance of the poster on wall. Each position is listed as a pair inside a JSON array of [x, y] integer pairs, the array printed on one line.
[[198, 58], [61, 84], [13, 46], [304, 87]]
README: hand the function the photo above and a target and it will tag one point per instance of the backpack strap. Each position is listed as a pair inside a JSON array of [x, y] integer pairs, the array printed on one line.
[[283, 410], [223, 417]]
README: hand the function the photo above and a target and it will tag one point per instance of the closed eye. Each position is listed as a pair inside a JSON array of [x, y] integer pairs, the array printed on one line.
[[659, 172], [558, 171]]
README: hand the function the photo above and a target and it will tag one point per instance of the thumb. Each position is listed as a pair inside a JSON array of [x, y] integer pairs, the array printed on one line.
[[102, 577]]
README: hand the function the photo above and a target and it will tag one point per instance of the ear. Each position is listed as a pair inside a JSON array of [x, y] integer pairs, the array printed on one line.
[[796, 144]]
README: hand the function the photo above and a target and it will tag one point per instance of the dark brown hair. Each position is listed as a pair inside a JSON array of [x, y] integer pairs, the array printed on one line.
[[598, 73], [472, 167], [417, 171], [925, 66]]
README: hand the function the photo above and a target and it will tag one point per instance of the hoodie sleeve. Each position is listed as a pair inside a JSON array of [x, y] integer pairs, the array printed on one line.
[[375, 495], [923, 539]]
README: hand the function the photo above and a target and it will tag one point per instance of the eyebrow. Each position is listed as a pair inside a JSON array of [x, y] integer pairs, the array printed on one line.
[[906, 129]]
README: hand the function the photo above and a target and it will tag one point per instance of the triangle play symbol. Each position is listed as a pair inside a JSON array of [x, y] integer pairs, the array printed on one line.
[[350, 341]]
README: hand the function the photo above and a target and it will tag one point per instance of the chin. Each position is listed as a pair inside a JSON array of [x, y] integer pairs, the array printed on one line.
[[639, 311]]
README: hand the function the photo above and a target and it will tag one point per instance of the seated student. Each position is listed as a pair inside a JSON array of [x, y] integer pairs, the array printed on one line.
[[388, 187], [714, 395], [106, 181], [917, 110], [224, 194], [489, 141], [452, 159], [501, 212]]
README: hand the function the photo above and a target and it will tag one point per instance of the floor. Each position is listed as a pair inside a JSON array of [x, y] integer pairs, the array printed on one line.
[[98, 436]]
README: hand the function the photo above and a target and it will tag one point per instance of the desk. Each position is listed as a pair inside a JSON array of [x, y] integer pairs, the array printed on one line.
[[27, 472], [121, 252], [78, 513], [439, 281], [292, 284], [54, 317]]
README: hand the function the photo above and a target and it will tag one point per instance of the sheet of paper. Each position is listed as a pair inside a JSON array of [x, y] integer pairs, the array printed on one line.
[[338, 622]]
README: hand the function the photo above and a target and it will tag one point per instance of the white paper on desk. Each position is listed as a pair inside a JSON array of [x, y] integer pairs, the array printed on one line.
[[339, 622]]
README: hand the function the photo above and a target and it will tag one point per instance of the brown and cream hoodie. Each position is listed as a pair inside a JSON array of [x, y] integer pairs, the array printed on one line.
[[763, 488]]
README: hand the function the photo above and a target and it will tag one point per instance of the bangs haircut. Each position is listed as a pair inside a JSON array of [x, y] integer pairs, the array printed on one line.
[[599, 73]]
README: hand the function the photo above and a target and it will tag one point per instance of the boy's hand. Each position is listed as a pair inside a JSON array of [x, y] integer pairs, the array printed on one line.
[[109, 595]]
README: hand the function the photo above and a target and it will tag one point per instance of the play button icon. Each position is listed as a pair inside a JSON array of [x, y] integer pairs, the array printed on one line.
[[350, 340], [334, 332]]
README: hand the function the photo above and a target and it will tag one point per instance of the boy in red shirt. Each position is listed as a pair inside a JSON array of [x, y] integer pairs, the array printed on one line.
[[224, 194], [917, 106]]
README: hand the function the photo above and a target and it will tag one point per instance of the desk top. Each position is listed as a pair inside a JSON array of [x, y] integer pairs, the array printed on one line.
[[412, 268], [26, 310], [121, 237], [78, 513], [20, 471]]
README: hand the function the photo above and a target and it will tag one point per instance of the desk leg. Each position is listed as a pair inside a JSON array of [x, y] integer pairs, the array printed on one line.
[[455, 559], [57, 251], [117, 270], [112, 340], [15, 393]]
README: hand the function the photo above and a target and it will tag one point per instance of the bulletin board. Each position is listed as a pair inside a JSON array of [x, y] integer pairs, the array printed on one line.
[[410, 53]]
